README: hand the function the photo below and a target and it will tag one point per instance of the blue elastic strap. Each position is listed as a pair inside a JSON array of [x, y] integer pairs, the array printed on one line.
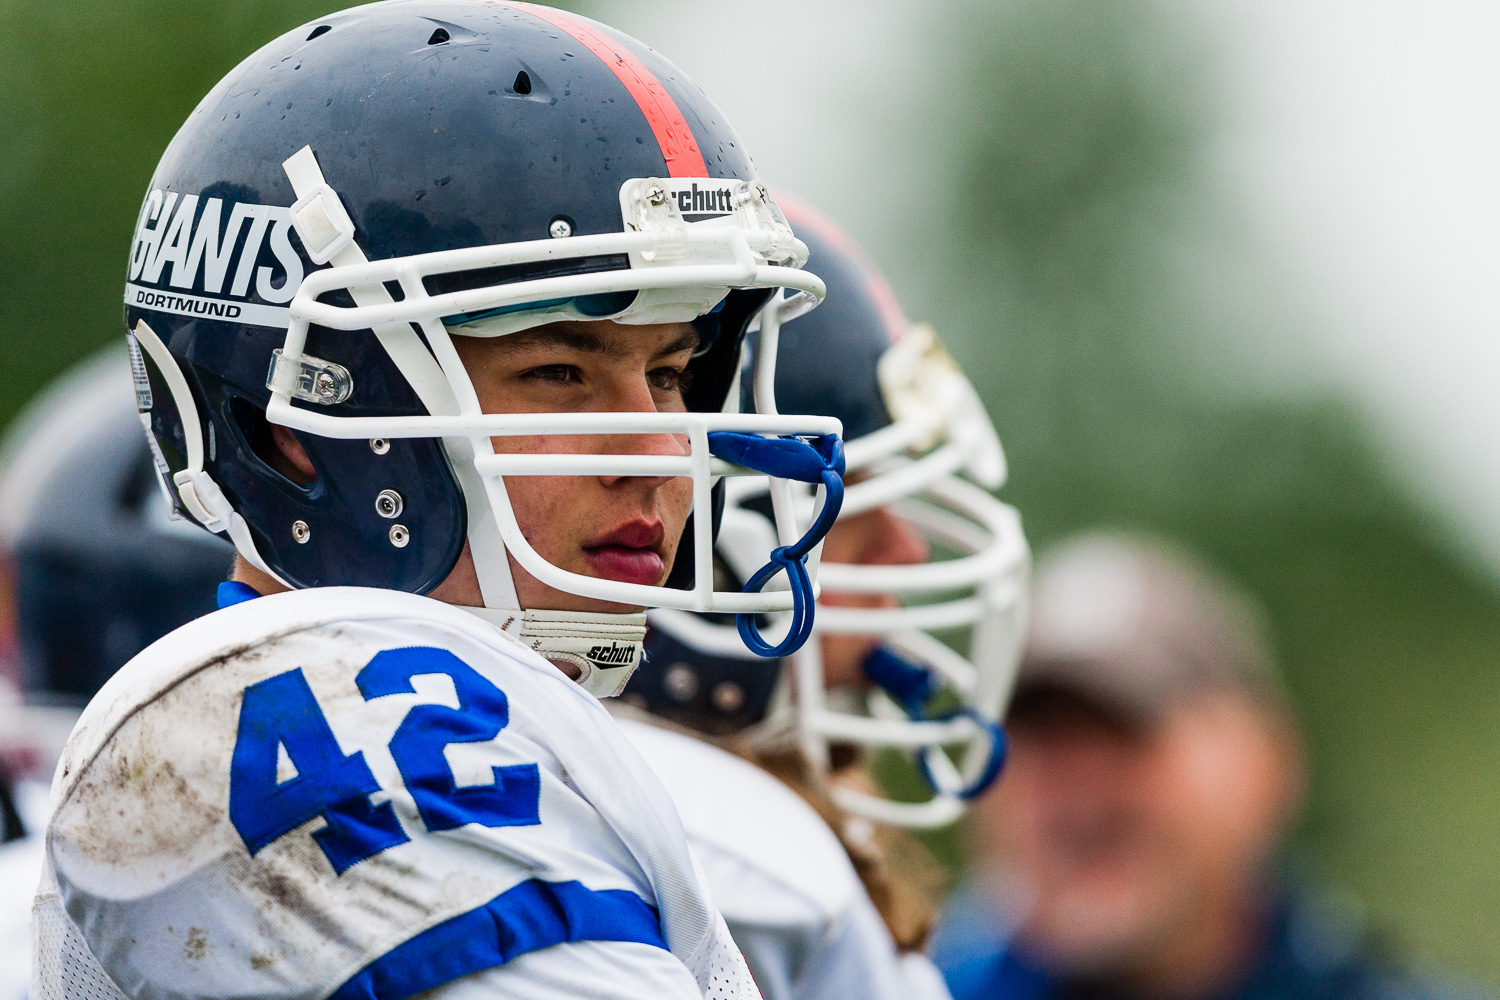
[[232, 592], [912, 687], [818, 463], [993, 765], [529, 917]]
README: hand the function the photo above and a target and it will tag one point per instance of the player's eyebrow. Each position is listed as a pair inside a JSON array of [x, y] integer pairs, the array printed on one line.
[[587, 342], [687, 340]]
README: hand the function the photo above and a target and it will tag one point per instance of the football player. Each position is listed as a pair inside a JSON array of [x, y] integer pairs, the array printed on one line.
[[442, 298], [920, 546]]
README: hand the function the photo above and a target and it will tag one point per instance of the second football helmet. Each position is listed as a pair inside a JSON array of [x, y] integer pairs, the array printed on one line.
[[100, 567], [918, 440]]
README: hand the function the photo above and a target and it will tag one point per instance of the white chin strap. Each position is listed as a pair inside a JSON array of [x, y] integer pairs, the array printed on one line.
[[606, 648]]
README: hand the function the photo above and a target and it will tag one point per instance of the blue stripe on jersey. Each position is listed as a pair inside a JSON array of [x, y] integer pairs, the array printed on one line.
[[529, 917], [232, 592]]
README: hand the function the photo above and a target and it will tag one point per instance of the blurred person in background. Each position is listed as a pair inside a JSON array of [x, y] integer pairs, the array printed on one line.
[[1133, 847], [93, 568]]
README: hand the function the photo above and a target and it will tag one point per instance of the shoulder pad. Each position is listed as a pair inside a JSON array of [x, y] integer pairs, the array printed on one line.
[[282, 796], [770, 859]]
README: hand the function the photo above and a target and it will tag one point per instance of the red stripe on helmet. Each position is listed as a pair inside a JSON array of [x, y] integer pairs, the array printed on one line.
[[678, 146]]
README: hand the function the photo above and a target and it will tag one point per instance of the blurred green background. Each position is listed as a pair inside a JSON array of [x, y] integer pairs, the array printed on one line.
[[1050, 254]]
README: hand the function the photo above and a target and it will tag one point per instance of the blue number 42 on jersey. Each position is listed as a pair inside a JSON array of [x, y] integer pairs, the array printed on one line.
[[280, 719]]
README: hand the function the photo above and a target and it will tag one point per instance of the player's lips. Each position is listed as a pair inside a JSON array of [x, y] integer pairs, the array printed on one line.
[[631, 553]]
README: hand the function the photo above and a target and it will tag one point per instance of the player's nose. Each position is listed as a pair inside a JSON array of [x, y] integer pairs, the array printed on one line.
[[635, 395]]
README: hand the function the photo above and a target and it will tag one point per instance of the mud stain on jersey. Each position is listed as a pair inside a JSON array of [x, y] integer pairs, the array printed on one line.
[[152, 803]]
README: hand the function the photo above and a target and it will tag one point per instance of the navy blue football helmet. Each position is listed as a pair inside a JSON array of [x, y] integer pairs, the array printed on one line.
[[366, 187], [101, 568], [918, 441]]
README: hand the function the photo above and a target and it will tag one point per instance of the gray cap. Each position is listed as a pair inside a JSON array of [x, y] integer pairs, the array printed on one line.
[[1135, 624]]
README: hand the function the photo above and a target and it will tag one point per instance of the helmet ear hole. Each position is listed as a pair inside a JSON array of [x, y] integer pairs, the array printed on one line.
[[522, 85], [257, 432]]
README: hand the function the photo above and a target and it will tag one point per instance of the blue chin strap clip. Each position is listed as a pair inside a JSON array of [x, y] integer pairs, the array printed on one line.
[[820, 463], [912, 687]]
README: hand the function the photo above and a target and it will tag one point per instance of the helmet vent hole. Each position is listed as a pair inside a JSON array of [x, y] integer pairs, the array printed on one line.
[[522, 85], [321, 29], [438, 37]]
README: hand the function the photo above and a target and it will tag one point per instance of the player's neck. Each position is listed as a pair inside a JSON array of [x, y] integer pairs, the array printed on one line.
[[256, 579]]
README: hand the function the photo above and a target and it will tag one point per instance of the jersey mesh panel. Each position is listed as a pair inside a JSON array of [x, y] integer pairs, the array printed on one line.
[[728, 976], [63, 967]]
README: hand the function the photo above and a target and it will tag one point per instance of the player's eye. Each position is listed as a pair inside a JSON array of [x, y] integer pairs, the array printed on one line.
[[554, 374], [668, 379]]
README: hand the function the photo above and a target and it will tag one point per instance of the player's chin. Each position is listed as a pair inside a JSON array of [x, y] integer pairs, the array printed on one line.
[[557, 600]]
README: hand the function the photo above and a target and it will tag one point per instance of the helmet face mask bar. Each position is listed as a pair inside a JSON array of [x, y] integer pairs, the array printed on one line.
[[360, 361], [947, 631]]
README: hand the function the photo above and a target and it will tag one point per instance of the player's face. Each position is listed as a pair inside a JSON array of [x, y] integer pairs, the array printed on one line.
[[877, 537], [622, 528]]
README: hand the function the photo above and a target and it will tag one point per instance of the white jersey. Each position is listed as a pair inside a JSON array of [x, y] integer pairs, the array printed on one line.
[[359, 793], [782, 880]]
